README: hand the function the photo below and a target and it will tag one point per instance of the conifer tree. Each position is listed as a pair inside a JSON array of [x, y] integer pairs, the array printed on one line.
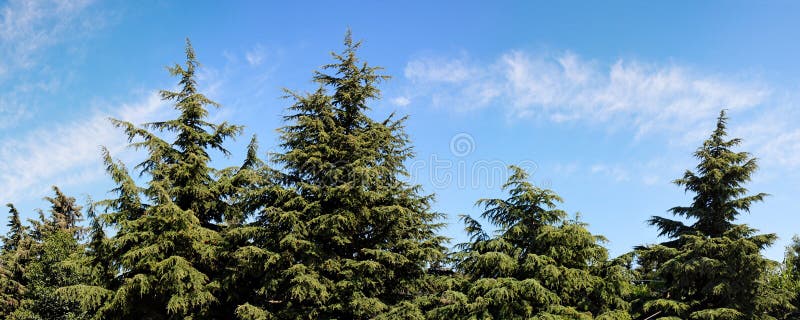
[[13, 256], [792, 258], [95, 264], [16, 231], [244, 255], [712, 268], [65, 213], [167, 239], [347, 237], [39, 260], [540, 265], [783, 283]]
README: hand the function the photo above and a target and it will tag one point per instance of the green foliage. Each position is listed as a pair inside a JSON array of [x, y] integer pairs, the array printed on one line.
[[783, 283], [792, 259], [15, 254], [340, 234], [539, 265], [36, 262], [329, 229], [718, 187], [162, 260], [713, 268]]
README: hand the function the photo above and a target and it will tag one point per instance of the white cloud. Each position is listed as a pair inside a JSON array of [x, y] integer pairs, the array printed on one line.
[[68, 153], [438, 70], [784, 149], [772, 135], [615, 172], [651, 179], [643, 98], [628, 94], [11, 110], [401, 101], [255, 56], [27, 27], [28, 30]]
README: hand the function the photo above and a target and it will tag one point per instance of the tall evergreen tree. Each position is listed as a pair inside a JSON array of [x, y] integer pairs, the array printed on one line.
[[13, 257], [167, 239], [718, 187], [784, 282], [65, 213], [245, 262], [16, 231], [39, 260], [350, 239], [792, 258], [540, 265], [712, 268]]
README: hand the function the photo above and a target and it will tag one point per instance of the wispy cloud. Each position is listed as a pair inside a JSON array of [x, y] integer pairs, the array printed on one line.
[[565, 87], [255, 56], [773, 136], [401, 101], [644, 98], [440, 70], [67, 154], [28, 29], [617, 173]]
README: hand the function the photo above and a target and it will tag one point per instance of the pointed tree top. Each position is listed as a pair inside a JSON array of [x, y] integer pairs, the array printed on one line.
[[722, 121], [190, 57], [348, 37]]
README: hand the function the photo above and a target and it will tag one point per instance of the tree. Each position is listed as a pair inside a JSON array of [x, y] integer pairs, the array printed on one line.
[[16, 231], [13, 257], [712, 268], [65, 213], [784, 281], [346, 237], [167, 241], [540, 265], [38, 260]]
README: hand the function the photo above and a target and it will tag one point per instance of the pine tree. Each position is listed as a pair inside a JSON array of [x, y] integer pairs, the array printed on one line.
[[712, 268], [791, 274], [784, 282], [96, 265], [540, 265], [16, 231], [40, 260], [792, 258], [13, 257], [245, 260], [345, 237], [167, 238], [65, 213]]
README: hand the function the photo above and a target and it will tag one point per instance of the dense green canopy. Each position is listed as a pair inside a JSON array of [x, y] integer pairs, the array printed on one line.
[[329, 228], [712, 268], [538, 265]]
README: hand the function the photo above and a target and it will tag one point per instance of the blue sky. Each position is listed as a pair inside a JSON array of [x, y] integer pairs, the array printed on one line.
[[602, 102]]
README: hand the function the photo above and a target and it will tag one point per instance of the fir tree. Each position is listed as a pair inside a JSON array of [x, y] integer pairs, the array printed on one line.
[[16, 231], [792, 258], [245, 261], [13, 257], [40, 261], [65, 213], [96, 265], [540, 265], [167, 239], [718, 187], [784, 282], [712, 268], [348, 239]]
